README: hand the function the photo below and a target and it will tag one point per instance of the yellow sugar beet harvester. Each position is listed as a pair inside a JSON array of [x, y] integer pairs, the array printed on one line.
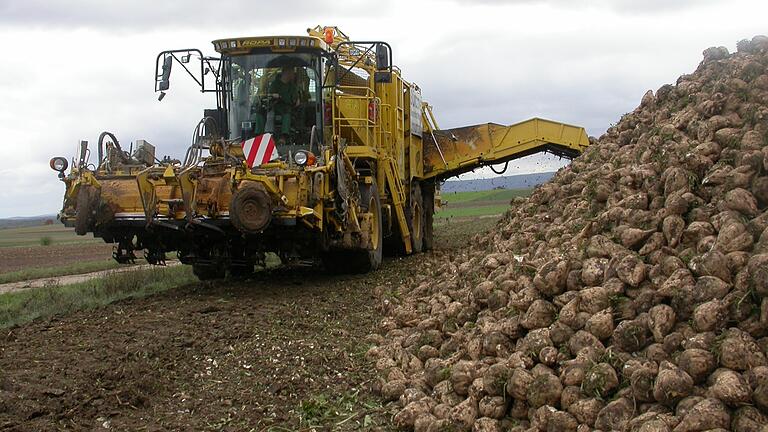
[[318, 149]]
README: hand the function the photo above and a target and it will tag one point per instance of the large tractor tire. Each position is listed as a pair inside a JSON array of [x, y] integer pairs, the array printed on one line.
[[416, 218], [87, 201], [251, 209], [370, 260], [428, 195], [361, 261]]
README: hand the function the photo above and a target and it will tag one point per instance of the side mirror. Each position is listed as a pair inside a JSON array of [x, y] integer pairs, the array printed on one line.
[[382, 56], [164, 63], [166, 75]]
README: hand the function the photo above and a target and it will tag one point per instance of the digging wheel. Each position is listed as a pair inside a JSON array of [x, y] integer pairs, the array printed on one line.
[[251, 209], [87, 200]]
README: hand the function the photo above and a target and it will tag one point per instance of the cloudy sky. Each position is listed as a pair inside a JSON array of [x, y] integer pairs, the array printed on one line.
[[74, 68]]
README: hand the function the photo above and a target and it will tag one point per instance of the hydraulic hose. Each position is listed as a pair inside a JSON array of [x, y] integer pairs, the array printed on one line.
[[503, 169], [192, 157], [101, 146]]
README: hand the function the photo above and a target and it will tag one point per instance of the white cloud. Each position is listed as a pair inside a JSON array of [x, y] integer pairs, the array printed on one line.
[[75, 68], [130, 16]]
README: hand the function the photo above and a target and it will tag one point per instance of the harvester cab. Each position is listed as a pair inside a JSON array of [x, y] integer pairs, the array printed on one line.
[[317, 149]]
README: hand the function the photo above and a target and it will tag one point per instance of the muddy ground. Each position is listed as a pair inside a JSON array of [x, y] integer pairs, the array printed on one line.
[[283, 351], [27, 257]]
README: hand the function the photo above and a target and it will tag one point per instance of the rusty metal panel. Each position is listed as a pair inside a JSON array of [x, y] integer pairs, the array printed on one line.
[[450, 152], [123, 194]]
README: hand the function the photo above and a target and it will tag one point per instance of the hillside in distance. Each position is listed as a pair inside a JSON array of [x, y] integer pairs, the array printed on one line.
[[520, 181]]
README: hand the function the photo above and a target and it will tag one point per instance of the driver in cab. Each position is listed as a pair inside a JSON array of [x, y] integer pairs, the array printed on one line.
[[285, 89]]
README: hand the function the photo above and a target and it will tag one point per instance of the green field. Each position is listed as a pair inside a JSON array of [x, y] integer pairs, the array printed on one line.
[[476, 204], [38, 235]]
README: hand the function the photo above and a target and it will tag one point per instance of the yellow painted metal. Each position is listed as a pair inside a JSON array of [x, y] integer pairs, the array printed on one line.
[[85, 178], [454, 151], [188, 181], [148, 182], [306, 211], [361, 152], [429, 117], [269, 184], [122, 195], [416, 155]]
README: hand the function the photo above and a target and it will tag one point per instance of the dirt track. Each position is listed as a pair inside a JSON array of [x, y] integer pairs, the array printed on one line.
[[284, 349], [71, 279]]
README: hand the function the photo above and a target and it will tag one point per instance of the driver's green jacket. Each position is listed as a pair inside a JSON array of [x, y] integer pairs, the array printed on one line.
[[289, 94]]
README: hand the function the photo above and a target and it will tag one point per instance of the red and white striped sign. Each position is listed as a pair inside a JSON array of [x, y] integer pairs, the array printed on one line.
[[259, 150]]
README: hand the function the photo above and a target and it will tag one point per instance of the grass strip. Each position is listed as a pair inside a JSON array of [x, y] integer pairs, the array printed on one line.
[[463, 212], [501, 195], [61, 270], [24, 306]]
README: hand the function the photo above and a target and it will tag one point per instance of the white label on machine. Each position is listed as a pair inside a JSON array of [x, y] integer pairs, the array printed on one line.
[[416, 125]]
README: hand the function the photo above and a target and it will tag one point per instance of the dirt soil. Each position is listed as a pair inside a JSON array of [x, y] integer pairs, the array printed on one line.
[[26, 257], [283, 351]]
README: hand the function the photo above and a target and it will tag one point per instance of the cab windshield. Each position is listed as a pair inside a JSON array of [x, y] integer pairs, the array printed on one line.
[[277, 94]]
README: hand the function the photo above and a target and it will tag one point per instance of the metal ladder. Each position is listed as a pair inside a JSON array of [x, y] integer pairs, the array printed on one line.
[[398, 199]]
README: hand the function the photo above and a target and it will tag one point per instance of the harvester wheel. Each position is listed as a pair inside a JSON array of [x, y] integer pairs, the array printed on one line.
[[87, 199], [428, 194], [208, 272], [361, 261], [251, 209], [370, 260], [416, 218]]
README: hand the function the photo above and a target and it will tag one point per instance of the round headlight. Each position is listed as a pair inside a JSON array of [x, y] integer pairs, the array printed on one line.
[[59, 164], [300, 158]]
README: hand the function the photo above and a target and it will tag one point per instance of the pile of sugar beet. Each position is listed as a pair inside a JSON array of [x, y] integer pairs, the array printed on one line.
[[629, 293]]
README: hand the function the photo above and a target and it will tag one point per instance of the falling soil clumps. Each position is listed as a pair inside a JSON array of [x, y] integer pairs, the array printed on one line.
[[629, 293]]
